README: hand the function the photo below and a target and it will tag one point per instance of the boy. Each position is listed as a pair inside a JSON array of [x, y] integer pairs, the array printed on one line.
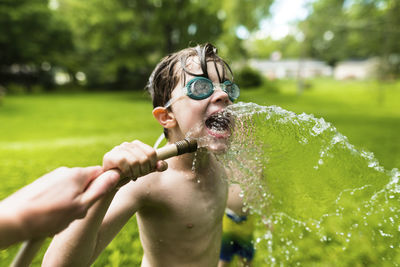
[[179, 211]]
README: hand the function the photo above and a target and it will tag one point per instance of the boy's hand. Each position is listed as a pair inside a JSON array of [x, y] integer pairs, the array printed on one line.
[[133, 160]]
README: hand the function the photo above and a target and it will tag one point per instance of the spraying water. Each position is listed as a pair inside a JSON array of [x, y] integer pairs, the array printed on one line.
[[325, 202]]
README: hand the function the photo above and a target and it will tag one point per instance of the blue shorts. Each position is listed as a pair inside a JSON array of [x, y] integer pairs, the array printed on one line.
[[231, 245]]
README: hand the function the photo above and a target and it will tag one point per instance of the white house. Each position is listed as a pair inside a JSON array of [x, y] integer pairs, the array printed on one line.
[[291, 68], [352, 69], [307, 68]]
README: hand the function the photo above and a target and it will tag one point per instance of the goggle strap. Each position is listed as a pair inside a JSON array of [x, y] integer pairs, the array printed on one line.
[[173, 99]]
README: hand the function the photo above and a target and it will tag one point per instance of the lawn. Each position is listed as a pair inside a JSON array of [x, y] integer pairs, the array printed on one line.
[[41, 132]]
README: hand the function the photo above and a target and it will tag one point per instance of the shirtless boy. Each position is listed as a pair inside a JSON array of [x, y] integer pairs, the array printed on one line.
[[179, 210]]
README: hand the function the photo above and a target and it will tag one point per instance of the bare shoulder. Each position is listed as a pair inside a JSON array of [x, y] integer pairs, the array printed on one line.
[[135, 193]]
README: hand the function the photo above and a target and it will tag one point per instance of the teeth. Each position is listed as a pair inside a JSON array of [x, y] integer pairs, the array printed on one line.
[[217, 122]]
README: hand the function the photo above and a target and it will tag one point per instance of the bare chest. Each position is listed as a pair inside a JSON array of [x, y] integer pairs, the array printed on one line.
[[183, 220], [199, 205], [186, 208]]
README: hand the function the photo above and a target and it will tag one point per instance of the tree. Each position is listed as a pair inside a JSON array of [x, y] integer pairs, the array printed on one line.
[[288, 47], [30, 36], [323, 39], [239, 14], [119, 42], [338, 30]]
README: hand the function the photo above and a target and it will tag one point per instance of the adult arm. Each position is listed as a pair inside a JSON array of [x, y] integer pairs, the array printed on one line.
[[51, 203]]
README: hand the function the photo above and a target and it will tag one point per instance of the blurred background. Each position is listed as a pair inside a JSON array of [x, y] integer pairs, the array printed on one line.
[[339, 59], [72, 75], [114, 45]]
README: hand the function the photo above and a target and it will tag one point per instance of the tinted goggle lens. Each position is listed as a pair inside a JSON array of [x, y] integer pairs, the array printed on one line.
[[201, 88], [232, 90]]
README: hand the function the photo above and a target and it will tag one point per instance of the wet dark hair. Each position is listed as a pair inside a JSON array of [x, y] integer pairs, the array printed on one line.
[[167, 73]]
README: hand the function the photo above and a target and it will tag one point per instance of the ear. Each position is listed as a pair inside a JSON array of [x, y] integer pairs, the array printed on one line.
[[164, 117]]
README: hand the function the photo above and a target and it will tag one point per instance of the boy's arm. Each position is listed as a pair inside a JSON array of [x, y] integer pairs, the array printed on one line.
[[82, 242], [75, 245], [124, 205], [84, 239]]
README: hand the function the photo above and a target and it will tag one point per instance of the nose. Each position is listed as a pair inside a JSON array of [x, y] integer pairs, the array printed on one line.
[[220, 95]]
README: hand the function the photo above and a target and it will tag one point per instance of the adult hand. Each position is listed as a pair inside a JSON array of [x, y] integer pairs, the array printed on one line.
[[52, 202]]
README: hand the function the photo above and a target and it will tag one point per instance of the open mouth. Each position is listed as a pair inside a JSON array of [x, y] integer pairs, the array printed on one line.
[[218, 125]]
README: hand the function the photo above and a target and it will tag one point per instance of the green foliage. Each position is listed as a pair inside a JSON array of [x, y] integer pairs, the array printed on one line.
[[248, 77], [289, 47], [338, 30], [31, 35], [14, 88], [117, 43], [234, 14], [342, 30], [120, 50]]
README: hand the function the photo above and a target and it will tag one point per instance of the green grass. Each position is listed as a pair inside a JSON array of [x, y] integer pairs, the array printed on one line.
[[41, 132]]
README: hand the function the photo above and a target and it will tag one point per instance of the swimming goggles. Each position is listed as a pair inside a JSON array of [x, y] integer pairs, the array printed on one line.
[[200, 88]]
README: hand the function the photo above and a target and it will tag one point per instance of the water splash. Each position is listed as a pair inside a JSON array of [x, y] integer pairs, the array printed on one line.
[[328, 202]]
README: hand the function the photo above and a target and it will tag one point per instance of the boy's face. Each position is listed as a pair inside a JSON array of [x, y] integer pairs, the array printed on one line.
[[203, 118]]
